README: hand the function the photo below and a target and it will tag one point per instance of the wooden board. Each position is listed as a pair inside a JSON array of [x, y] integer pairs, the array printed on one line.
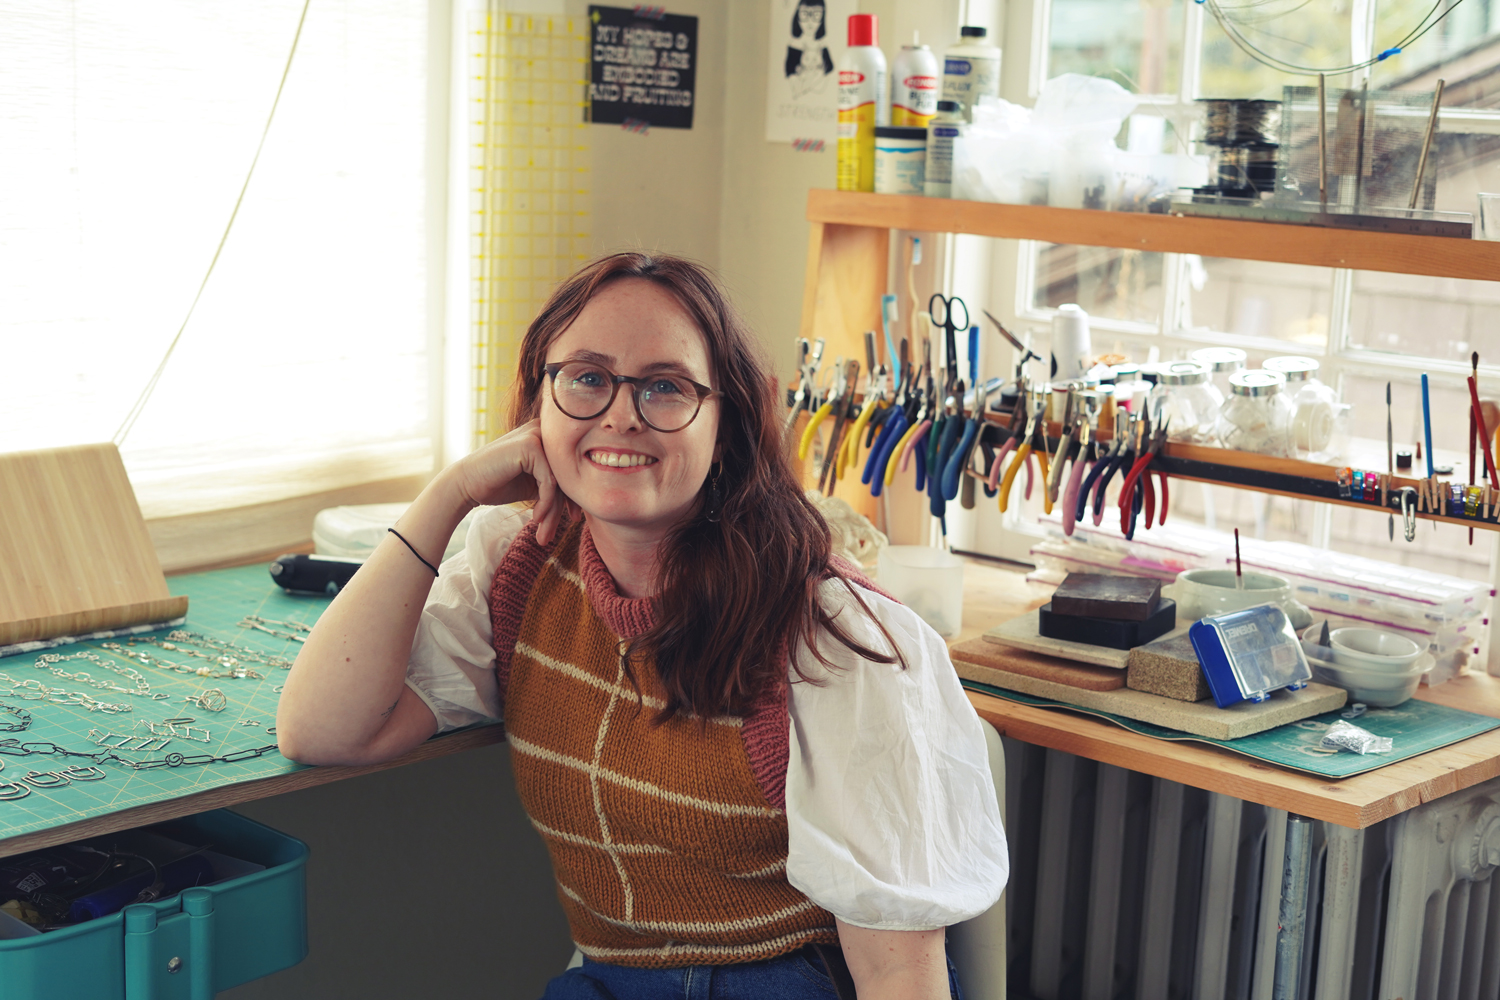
[[75, 556], [975, 658], [1201, 718], [1021, 633]]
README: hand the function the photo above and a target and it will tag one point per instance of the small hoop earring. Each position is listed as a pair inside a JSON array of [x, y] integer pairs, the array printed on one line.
[[713, 508]]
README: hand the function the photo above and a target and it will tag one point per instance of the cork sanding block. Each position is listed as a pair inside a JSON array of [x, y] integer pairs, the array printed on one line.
[[988, 662], [1118, 598], [1168, 667]]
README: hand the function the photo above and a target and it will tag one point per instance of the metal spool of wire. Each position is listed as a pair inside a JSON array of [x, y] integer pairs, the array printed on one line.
[[1241, 123]]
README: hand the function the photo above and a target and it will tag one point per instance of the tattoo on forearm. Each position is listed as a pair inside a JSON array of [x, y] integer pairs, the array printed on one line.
[[392, 708]]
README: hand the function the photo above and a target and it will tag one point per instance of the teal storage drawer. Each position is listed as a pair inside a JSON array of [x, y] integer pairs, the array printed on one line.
[[186, 947]]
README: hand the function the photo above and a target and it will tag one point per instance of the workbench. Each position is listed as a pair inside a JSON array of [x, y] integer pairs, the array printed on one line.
[[994, 593]]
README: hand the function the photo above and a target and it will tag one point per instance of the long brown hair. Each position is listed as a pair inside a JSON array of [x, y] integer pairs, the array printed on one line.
[[737, 595]]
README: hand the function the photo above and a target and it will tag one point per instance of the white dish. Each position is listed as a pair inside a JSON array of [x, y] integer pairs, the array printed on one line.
[[1202, 593], [1376, 688], [1373, 649]]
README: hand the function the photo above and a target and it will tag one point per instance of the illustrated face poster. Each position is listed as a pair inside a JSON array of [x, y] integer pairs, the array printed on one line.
[[807, 40]]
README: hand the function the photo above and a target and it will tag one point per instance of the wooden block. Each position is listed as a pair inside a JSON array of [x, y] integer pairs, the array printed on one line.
[[1201, 718], [974, 659], [1168, 667], [74, 553], [1096, 595], [1022, 633]]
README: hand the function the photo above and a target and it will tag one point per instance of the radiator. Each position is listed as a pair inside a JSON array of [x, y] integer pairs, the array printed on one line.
[[1129, 886]]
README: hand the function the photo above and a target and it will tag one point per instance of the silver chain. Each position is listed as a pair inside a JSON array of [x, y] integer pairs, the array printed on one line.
[[142, 689], [224, 653], [232, 668], [35, 690]]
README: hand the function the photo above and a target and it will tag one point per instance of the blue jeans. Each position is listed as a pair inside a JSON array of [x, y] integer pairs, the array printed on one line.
[[797, 976]]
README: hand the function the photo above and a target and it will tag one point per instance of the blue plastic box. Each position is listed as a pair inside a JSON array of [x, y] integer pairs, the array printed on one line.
[[219, 936], [1246, 655]]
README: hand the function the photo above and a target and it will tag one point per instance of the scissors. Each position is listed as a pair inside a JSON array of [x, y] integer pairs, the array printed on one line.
[[950, 326]]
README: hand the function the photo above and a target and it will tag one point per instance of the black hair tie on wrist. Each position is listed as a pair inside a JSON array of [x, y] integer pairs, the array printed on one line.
[[414, 552]]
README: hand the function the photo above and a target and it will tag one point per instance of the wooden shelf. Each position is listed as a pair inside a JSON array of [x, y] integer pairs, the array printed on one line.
[[1268, 241]]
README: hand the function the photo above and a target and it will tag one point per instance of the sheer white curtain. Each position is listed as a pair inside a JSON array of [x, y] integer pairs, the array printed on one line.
[[126, 130]]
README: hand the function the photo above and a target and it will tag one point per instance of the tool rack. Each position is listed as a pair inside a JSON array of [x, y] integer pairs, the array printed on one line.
[[847, 260]]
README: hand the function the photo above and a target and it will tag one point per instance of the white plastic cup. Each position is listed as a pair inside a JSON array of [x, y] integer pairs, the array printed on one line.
[[1487, 219], [927, 580]]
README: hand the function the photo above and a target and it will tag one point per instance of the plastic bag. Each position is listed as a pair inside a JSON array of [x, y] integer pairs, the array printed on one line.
[[1347, 736], [1061, 153]]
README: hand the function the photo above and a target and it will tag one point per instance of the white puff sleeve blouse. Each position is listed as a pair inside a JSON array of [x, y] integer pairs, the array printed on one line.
[[892, 822]]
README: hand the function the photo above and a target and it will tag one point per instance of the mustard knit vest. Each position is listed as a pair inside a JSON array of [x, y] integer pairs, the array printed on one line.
[[669, 843]]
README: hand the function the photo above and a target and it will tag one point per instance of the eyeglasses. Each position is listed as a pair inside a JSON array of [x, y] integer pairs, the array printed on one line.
[[666, 403]]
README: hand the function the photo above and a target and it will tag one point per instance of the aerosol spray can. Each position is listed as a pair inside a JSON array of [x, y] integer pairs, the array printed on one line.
[[915, 79], [862, 104], [971, 69], [1072, 352]]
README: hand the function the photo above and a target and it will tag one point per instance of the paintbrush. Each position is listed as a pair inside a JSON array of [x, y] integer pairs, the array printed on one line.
[[1390, 459], [1239, 576]]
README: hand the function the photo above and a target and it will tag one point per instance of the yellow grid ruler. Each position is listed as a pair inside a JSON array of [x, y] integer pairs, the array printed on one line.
[[529, 194]]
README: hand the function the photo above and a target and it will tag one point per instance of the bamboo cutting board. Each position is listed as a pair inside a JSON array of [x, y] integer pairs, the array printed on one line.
[[75, 556]]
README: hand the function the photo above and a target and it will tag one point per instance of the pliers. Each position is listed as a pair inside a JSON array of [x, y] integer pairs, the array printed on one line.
[[820, 413], [1035, 440], [893, 431], [953, 468], [807, 360], [874, 397], [1140, 472], [1099, 476], [840, 407], [941, 443], [1064, 443], [1071, 508], [1014, 433]]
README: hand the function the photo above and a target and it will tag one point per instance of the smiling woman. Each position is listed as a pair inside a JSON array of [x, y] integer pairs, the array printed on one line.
[[728, 739]]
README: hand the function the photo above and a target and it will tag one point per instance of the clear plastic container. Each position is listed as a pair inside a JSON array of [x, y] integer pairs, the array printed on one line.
[[1257, 416], [1249, 654], [1222, 362], [1320, 424], [927, 580], [1188, 402]]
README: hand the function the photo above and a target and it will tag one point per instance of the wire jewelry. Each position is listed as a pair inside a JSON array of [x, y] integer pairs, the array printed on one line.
[[77, 772], [232, 668], [45, 779], [20, 715], [142, 689], [222, 652], [15, 748], [210, 700], [299, 633], [35, 690], [12, 790], [133, 744]]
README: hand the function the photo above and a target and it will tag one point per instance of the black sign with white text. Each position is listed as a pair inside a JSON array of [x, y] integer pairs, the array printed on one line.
[[642, 65]]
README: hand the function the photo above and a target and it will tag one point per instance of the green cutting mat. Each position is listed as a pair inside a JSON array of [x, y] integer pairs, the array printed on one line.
[[1416, 727], [217, 600]]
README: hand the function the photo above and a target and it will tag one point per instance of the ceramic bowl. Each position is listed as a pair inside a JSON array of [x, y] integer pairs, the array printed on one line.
[[1372, 649], [1375, 687], [1204, 592]]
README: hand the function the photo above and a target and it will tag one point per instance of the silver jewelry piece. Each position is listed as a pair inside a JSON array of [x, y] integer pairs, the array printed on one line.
[[12, 790], [77, 772], [210, 700], [45, 779]]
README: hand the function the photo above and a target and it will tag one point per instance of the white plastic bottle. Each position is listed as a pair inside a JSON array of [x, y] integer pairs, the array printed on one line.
[[863, 104], [971, 69], [941, 131]]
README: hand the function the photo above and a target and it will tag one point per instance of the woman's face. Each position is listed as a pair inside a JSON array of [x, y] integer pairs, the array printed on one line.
[[617, 469], [809, 19]]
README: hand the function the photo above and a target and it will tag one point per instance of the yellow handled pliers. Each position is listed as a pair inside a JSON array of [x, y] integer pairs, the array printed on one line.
[[830, 398], [849, 453], [1036, 433]]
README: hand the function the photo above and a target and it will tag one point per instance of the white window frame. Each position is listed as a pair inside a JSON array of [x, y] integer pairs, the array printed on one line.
[[1013, 536]]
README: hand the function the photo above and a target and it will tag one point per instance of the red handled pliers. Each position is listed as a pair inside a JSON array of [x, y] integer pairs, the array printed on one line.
[[1147, 446]]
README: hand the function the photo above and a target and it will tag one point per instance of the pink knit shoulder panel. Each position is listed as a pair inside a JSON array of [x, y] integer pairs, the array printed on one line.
[[514, 578], [767, 733], [856, 575]]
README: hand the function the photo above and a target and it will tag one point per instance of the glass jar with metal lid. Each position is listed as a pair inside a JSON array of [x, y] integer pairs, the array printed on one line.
[[1319, 428], [1222, 362], [1188, 402], [1258, 413]]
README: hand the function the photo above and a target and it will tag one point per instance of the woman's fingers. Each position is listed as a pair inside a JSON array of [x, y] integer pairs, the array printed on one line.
[[549, 500]]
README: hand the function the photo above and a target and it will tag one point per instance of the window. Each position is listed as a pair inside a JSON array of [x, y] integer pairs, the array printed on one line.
[[1365, 329], [125, 135]]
